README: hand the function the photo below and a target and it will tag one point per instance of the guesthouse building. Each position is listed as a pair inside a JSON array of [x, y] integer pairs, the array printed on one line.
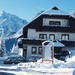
[[53, 24]]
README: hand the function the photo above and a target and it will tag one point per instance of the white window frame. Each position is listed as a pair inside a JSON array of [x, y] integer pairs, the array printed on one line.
[[43, 36], [52, 37], [65, 37]]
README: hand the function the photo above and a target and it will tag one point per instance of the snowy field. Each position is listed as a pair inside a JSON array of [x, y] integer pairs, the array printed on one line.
[[38, 68]]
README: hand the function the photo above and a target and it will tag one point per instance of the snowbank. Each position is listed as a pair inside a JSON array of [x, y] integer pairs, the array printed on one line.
[[46, 65], [70, 63]]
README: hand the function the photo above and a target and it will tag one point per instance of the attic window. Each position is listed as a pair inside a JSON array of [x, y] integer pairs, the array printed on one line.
[[54, 23]]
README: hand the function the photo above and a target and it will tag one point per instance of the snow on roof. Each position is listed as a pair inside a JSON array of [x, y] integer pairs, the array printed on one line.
[[55, 11], [58, 44], [55, 43], [19, 33]]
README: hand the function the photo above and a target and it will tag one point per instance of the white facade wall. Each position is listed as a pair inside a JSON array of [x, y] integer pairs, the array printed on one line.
[[72, 36], [29, 51], [64, 22], [58, 35], [32, 34]]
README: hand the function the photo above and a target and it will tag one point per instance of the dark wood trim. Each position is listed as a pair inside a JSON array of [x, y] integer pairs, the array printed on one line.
[[39, 43]]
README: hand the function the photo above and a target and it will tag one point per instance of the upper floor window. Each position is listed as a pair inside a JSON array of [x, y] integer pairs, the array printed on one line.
[[43, 36], [51, 36], [34, 50], [54, 23], [65, 37]]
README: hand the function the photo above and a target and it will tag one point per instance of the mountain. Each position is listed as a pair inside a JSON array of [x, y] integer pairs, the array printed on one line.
[[10, 24], [73, 14]]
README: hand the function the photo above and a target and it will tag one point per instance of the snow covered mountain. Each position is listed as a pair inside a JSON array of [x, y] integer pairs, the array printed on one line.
[[10, 24], [73, 14]]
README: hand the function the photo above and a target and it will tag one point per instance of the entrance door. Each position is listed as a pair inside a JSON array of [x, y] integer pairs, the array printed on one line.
[[57, 52], [25, 53]]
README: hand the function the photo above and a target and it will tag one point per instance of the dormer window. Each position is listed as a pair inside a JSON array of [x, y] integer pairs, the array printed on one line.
[[54, 23]]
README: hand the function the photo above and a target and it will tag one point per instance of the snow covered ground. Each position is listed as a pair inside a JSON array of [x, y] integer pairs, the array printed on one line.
[[12, 70], [38, 68], [51, 72]]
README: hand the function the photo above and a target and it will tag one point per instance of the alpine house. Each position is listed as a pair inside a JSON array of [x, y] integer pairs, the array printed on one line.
[[52, 24]]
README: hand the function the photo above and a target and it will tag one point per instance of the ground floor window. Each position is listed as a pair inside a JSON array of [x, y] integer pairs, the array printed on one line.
[[40, 50], [34, 50], [65, 36]]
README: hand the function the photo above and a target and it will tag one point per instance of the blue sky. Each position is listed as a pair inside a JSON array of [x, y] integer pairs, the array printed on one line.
[[27, 9]]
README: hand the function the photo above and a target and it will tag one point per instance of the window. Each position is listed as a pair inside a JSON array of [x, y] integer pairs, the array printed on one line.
[[43, 36], [34, 50], [65, 37], [54, 23], [40, 50], [51, 36]]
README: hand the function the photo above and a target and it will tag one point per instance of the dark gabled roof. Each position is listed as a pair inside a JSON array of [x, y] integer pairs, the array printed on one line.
[[48, 14], [37, 22]]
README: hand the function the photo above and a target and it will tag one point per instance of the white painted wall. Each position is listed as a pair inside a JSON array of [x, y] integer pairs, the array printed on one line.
[[58, 35], [64, 22], [29, 51], [32, 34]]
